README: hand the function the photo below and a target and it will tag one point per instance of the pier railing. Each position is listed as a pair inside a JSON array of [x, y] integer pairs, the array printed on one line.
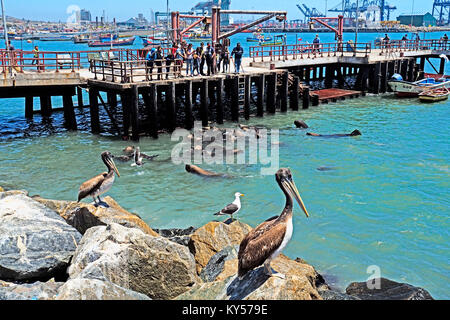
[[135, 70], [398, 46], [47, 61], [308, 51]]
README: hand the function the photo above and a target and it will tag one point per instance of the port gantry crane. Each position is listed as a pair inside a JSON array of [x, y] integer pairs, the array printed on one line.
[[309, 13], [349, 9], [441, 11]]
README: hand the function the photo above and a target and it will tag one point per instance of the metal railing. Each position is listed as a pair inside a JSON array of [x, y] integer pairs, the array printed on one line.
[[395, 46], [135, 70], [308, 51], [46, 61]]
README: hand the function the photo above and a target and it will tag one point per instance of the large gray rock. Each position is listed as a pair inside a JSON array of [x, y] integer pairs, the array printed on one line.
[[180, 236], [30, 291], [217, 263], [298, 285], [131, 259], [92, 289], [35, 242], [389, 290]]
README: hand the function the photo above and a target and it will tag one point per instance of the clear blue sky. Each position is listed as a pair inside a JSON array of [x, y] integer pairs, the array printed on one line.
[[55, 10]]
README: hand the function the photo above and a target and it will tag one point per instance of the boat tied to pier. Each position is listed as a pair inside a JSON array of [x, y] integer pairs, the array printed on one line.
[[413, 89], [435, 95], [113, 43]]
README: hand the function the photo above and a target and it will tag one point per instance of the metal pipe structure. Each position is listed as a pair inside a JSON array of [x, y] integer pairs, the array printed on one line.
[[216, 21], [339, 31], [5, 28]]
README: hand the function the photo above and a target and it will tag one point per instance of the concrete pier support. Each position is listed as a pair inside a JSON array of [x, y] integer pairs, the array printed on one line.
[[189, 117], [306, 97], [247, 97], [204, 103], [295, 91], [284, 92], [46, 105], [271, 93], [29, 100], [219, 104], [134, 112]]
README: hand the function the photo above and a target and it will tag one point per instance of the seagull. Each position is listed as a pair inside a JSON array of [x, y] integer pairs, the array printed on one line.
[[233, 207]]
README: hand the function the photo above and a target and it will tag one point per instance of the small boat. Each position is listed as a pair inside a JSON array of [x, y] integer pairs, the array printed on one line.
[[154, 42], [435, 95], [200, 38], [257, 37], [413, 89], [278, 40], [114, 43], [57, 38]]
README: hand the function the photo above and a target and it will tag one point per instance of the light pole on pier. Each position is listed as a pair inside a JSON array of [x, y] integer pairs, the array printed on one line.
[[4, 27]]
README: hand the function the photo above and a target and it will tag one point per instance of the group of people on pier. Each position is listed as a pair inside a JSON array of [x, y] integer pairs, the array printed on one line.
[[216, 59]]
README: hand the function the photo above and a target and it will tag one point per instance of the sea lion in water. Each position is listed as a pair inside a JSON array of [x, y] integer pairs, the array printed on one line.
[[353, 134], [135, 154], [301, 124], [202, 172]]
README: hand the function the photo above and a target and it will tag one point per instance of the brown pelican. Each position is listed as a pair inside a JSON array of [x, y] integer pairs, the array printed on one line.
[[100, 184], [233, 207], [267, 241]]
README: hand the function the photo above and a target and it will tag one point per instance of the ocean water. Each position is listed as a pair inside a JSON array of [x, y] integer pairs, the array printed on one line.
[[383, 200]]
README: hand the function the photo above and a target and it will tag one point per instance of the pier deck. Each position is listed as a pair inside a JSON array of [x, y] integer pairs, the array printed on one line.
[[274, 78]]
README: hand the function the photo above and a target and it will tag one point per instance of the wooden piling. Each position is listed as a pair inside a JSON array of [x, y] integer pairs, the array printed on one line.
[[189, 117], [235, 99], [151, 102], [284, 92], [170, 107], [134, 112], [294, 98], [384, 77], [204, 103], [95, 118], [111, 100], [80, 97], [125, 100], [247, 97], [69, 113], [46, 105], [305, 97], [261, 95], [411, 69], [271, 93], [442, 66], [29, 107]]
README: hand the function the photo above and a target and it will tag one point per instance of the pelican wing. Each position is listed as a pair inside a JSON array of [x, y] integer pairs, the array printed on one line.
[[122, 158], [91, 185], [148, 157], [259, 245]]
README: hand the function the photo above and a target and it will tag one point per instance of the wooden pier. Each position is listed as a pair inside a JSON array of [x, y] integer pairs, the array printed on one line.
[[160, 98]]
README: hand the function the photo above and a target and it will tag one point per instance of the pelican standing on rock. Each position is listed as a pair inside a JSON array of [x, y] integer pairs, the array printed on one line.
[[267, 241], [100, 184], [233, 207]]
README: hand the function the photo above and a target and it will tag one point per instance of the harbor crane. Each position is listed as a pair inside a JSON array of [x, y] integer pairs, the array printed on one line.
[[348, 9], [309, 12], [441, 11]]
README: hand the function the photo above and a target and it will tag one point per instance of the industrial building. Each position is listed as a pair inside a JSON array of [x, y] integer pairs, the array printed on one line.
[[418, 20]]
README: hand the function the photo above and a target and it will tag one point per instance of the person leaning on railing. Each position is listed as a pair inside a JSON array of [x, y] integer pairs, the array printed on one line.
[[158, 61], [169, 60]]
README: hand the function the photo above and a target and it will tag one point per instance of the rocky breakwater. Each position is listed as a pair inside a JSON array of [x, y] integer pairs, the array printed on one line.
[[59, 250]]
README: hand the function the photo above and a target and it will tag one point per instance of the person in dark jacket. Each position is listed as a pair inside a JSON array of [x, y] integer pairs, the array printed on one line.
[[237, 52]]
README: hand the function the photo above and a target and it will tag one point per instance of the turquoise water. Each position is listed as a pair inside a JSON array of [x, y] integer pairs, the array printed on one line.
[[384, 202]]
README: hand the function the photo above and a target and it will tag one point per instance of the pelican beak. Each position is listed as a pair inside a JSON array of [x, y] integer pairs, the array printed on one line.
[[292, 189], [113, 165]]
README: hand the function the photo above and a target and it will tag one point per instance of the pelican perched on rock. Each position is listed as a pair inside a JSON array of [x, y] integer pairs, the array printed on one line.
[[233, 207], [267, 241], [100, 184]]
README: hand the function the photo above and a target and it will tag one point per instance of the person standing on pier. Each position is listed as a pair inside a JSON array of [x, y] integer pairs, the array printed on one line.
[[189, 57], [169, 60], [36, 57], [210, 54], [202, 59], [445, 39], [150, 61], [238, 52], [316, 44], [197, 58], [179, 59], [225, 59], [158, 61]]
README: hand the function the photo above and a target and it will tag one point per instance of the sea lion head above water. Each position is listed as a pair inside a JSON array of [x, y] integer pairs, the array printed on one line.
[[356, 133]]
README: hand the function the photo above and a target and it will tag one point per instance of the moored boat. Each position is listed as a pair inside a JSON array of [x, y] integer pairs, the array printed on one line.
[[413, 89], [435, 95], [114, 43]]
